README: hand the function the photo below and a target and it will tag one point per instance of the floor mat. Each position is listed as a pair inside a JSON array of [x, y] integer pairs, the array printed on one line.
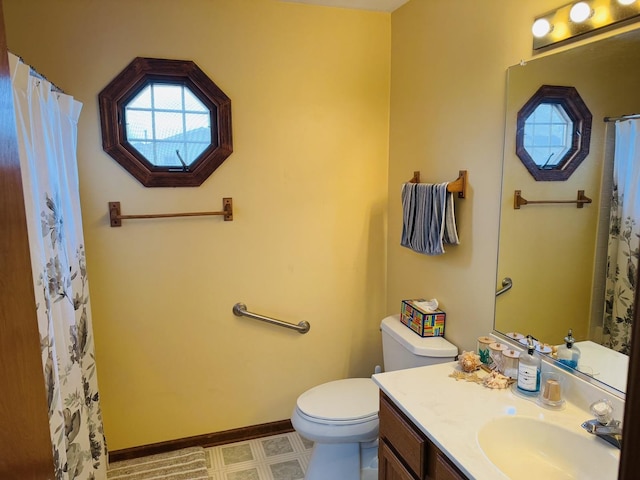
[[185, 464]]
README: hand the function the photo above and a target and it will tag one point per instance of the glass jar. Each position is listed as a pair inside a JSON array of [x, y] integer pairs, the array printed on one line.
[[495, 353], [483, 349], [510, 363], [551, 390], [515, 336]]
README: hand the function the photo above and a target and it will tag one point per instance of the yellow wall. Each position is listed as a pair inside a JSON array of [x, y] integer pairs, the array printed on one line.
[[449, 62], [310, 99], [324, 101]]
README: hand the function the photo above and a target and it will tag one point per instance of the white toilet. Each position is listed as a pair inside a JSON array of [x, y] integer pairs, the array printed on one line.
[[341, 417]]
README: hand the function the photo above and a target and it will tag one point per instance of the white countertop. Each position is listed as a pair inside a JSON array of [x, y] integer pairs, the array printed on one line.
[[603, 364], [450, 413]]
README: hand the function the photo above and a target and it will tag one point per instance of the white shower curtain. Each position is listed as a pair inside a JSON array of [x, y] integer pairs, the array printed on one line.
[[624, 235], [46, 124]]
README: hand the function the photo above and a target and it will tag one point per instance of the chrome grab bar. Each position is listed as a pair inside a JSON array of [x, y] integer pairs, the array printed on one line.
[[240, 310], [507, 283]]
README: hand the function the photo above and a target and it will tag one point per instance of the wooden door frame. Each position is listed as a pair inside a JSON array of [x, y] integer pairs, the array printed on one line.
[[25, 442]]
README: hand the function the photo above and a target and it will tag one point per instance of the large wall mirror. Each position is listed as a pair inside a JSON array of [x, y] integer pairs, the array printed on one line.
[[556, 253]]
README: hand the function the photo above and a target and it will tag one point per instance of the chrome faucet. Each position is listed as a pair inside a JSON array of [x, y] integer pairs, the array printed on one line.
[[604, 426]]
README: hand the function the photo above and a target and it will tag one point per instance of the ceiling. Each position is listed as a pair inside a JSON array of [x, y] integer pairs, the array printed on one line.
[[378, 5]]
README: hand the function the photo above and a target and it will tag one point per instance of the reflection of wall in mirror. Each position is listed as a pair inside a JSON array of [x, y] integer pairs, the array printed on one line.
[[549, 250]]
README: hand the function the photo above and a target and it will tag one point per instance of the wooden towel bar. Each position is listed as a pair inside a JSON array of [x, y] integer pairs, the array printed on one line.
[[459, 185]]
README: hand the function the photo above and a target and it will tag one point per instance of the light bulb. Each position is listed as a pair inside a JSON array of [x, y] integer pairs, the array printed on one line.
[[626, 2], [580, 12], [541, 27]]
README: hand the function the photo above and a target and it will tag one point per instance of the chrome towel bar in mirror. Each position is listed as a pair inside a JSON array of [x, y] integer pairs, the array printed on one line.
[[507, 283]]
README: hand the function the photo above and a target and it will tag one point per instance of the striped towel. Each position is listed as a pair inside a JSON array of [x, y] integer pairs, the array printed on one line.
[[428, 218], [184, 464]]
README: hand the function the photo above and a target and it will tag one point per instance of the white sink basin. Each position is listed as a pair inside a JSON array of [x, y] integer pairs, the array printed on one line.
[[525, 448]]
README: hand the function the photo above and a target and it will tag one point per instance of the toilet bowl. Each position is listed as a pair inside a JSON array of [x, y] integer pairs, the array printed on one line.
[[341, 417]]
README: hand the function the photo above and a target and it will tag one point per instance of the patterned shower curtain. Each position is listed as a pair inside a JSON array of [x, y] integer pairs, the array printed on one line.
[[624, 235], [46, 124]]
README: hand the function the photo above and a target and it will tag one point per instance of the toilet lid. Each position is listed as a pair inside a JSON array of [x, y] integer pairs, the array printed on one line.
[[349, 399]]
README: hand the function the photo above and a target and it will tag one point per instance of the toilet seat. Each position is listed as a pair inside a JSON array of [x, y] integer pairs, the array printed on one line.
[[325, 421], [342, 402]]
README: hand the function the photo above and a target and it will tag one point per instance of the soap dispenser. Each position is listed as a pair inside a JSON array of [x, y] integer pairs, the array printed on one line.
[[568, 354], [529, 370]]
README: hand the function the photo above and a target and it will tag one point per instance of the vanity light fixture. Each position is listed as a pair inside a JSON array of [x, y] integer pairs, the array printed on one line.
[[579, 18], [541, 27], [580, 12]]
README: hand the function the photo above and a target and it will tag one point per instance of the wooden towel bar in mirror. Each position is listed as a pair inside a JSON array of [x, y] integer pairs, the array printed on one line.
[[166, 122], [519, 200]]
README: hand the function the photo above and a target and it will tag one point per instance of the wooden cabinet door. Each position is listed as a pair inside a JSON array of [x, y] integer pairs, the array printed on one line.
[[405, 453], [389, 466], [445, 470], [407, 441]]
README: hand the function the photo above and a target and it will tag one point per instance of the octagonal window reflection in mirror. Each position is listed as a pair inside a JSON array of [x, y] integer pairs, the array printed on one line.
[[553, 133], [166, 122]]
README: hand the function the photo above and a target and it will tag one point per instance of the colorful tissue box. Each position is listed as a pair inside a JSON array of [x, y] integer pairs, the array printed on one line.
[[423, 323]]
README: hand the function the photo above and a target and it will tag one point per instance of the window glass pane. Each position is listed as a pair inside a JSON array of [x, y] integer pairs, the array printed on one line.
[[542, 113], [555, 155], [528, 134], [197, 127], [139, 125], [557, 116], [558, 136], [167, 97], [142, 100], [146, 149], [167, 156], [192, 103], [169, 126], [538, 154], [193, 151]]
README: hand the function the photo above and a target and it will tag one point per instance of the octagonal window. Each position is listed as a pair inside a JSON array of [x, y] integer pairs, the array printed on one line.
[[553, 133], [166, 122]]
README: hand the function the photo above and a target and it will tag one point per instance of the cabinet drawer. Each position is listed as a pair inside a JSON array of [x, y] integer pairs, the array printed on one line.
[[408, 443]]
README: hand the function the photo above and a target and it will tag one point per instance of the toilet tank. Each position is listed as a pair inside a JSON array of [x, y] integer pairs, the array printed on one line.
[[402, 348]]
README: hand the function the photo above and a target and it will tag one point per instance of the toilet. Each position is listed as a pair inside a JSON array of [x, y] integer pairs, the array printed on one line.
[[341, 417]]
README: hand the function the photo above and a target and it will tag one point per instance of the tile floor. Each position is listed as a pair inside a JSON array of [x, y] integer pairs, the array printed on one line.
[[279, 457]]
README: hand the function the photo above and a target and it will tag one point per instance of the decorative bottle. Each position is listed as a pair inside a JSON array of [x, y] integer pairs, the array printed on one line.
[[529, 370], [569, 354]]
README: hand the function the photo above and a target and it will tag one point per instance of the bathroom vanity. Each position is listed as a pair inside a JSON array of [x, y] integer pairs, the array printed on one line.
[[435, 427], [402, 443]]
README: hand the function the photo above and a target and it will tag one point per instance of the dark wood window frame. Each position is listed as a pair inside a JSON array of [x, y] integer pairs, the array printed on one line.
[[127, 84], [572, 103]]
